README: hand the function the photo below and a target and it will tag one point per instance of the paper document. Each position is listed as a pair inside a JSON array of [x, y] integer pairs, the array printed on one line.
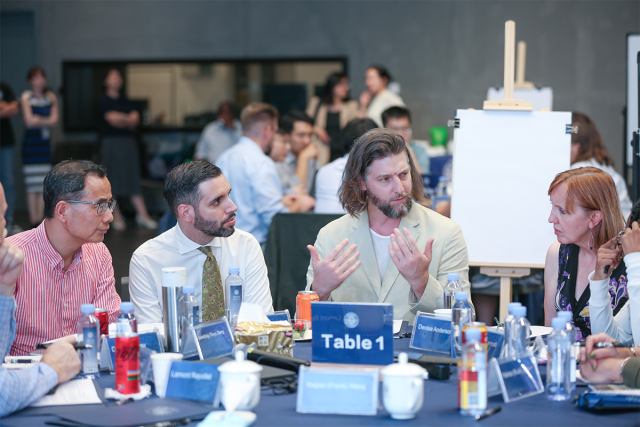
[[397, 324], [75, 392], [540, 331]]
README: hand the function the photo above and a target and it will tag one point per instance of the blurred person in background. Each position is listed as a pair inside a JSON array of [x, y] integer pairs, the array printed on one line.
[[399, 119], [301, 164], [587, 149], [219, 135], [377, 97], [330, 113], [329, 176], [8, 108], [40, 113], [119, 150]]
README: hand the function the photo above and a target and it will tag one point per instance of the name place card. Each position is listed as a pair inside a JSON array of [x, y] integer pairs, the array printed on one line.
[[352, 333], [432, 334], [193, 381], [208, 340], [518, 378], [338, 391]]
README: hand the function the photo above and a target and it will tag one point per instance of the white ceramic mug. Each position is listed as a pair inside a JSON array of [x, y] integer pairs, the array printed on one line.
[[403, 388], [240, 384], [161, 363]]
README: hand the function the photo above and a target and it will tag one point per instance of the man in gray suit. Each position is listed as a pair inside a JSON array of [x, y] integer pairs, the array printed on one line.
[[381, 191]]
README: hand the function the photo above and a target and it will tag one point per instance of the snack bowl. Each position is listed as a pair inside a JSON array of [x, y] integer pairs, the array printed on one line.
[[300, 328]]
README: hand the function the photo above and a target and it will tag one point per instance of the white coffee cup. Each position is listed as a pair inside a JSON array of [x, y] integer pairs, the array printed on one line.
[[443, 313], [240, 384], [403, 388], [161, 363]]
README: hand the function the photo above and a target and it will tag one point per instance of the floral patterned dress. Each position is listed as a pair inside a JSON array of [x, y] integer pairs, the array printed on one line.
[[566, 293]]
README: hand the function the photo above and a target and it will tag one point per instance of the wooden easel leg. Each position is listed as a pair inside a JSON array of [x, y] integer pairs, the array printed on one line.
[[505, 296]]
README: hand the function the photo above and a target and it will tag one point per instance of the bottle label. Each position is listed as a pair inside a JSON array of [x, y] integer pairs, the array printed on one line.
[[572, 374], [90, 355], [473, 383], [196, 314], [235, 299]]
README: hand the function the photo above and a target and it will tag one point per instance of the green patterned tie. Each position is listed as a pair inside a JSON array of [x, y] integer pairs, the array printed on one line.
[[212, 290]]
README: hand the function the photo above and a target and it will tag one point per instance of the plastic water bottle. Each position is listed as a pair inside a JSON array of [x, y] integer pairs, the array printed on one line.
[[450, 289], [441, 189], [233, 291], [520, 330], [88, 333], [461, 315], [575, 346], [472, 375], [559, 363], [189, 309], [126, 322], [507, 327]]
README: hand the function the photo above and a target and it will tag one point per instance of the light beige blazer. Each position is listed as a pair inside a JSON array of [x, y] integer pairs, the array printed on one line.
[[364, 284]]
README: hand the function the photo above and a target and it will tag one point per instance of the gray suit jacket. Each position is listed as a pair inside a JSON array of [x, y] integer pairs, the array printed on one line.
[[364, 284]]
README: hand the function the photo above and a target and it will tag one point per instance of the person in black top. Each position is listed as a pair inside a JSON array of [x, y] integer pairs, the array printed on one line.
[[119, 150], [8, 108]]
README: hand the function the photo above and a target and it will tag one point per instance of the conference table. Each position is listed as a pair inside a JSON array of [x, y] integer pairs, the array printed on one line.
[[439, 408]]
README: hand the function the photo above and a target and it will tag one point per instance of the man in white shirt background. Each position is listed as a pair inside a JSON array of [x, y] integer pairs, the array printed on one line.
[[199, 196], [220, 134], [301, 164]]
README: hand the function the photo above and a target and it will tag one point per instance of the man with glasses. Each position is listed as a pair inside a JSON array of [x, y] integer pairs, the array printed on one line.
[[66, 264], [398, 119]]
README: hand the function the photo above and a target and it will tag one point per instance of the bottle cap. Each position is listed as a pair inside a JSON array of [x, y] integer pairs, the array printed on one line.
[[188, 290], [558, 323], [472, 334], [513, 305], [87, 309], [234, 270], [462, 296], [520, 311], [453, 277], [566, 315], [126, 307]]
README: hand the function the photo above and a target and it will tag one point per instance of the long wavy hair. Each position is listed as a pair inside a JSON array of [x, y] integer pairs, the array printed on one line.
[[589, 140], [373, 145], [593, 190]]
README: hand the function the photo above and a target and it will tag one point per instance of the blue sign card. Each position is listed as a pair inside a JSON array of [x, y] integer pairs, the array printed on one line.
[[518, 378], [338, 391], [150, 340], [208, 340], [432, 334], [277, 316], [352, 333], [495, 343], [193, 381]]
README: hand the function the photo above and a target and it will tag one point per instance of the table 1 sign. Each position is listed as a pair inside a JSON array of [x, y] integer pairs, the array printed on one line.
[[352, 333], [338, 391]]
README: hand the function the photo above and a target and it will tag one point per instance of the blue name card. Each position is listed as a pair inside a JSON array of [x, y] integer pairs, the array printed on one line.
[[208, 340], [352, 333], [495, 342], [150, 341], [518, 378], [193, 381], [277, 316], [338, 391], [432, 334]]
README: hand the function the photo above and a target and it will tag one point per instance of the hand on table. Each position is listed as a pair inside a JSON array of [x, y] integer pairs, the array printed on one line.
[[592, 355], [63, 358], [607, 256], [411, 262], [606, 371], [631, 239], [329, 273]]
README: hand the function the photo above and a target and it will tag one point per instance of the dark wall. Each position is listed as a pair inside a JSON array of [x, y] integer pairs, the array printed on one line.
[[445, 54]]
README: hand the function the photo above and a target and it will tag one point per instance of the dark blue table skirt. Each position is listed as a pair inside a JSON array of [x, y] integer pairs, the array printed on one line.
[[439, 409]]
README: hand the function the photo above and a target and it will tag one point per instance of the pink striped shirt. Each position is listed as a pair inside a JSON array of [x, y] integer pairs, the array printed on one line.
[[48, 299]]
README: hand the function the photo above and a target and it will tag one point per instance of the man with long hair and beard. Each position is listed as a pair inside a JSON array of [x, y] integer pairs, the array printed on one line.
[[381, 191], [204, 241]]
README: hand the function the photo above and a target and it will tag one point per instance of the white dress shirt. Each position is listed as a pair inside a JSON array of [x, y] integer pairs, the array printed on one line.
[[216, 138], [174, 249], [328, 183], [625, 326]]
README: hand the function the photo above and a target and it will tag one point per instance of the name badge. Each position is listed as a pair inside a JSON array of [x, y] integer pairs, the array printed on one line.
[[334, 391], [193, 381], [208, 340], [150, 341], [432, 334], [352, 333], [518, 378]]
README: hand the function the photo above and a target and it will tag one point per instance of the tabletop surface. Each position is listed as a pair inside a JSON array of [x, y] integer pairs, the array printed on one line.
[[439, 409]]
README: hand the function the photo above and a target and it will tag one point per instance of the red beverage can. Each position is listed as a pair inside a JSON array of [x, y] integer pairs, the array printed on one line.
[[103, 316], [484, 333], [303, 304], [128, 363]]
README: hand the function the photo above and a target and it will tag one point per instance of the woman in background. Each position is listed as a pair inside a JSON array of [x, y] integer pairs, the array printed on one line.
[[40, 112], [119, 150], [331, 113], [585, 214], [377, 98], [587, 149]]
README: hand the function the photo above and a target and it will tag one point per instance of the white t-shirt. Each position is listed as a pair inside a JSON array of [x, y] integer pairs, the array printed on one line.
[[381, 248]]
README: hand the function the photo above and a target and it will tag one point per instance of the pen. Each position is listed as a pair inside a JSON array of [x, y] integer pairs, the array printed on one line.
[[488, 413], [43, 346], [121, 402]]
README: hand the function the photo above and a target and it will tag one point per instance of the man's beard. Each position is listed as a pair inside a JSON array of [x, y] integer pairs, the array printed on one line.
[[213, 228], [394, 212]]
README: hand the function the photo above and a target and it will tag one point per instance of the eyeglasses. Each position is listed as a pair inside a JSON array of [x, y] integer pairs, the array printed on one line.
[[101, 206]]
